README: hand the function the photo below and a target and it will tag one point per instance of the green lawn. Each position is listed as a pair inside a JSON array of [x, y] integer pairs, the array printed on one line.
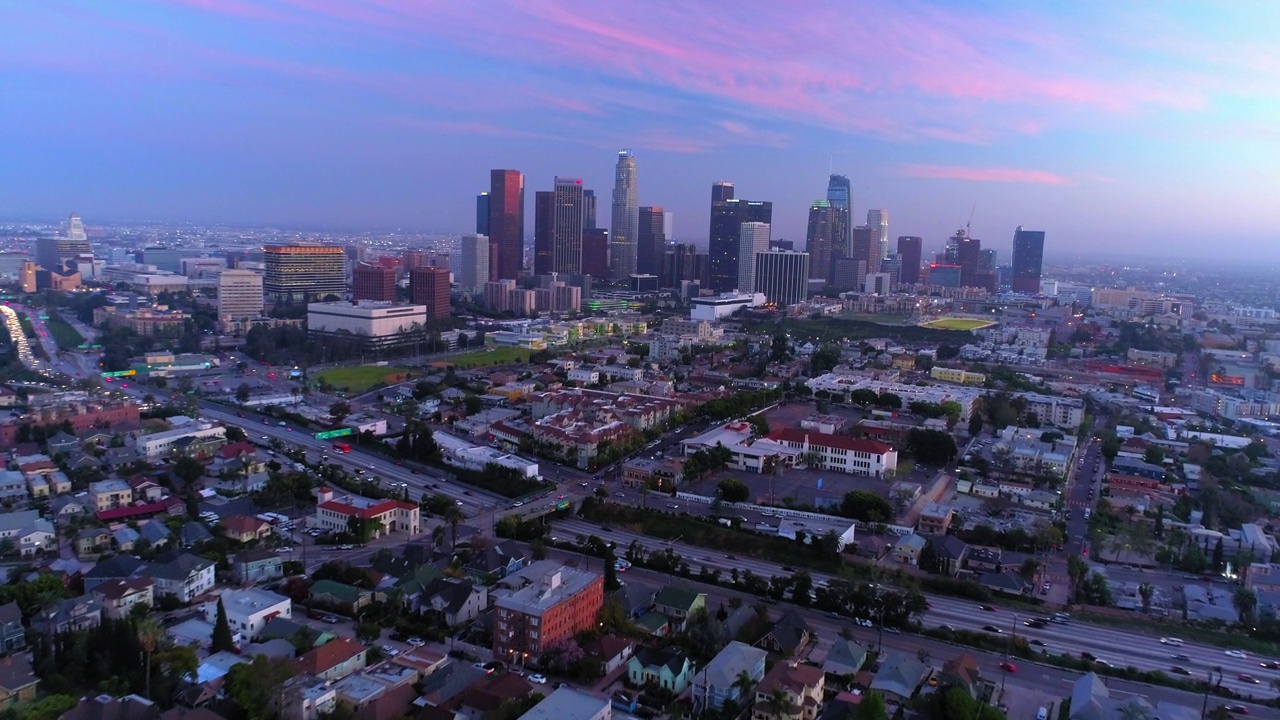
[[67, 337], [955, 323], [486, 357], [361, 378]]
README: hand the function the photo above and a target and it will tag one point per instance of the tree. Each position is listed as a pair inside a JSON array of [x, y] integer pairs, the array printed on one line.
[[254, 685], [243, 392], [1029, 568], [780, 349], [1245, 601], [222, 637], [866, 506], [149, 635], [235, 434], [975, 424], [188, 469], [1154, 455], [453, 516], [339, 411], [759, 425], [1218, 560], [1146, 590], [733, 490], [929, 561], [872, 707], [931, 447], [824, 359], [888, 401], [610, 570]]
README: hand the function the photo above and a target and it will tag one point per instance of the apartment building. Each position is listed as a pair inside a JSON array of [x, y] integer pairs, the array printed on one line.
[[541, 605]]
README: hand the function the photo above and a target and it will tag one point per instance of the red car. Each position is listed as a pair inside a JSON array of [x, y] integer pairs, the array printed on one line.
[[1008, 667]]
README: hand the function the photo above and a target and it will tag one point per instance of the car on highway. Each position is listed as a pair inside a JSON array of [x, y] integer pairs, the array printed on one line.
[[538, 679], [1246, 677], [986, 608], [517, 504], [1034, 623], [991, 629], [1182, 657], [1037, 643], [1179, 670], [1235, 709], [1273, 665], [1176, 642], [1235, 654], [1008, 667], [1088, 656]]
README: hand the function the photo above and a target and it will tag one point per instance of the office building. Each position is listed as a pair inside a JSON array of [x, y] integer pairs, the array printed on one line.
[[683, 263], [298, 273], [865, 247], [892, 266], [588, 209], [544, 213], [909, 249], [880, 283], [847, 273], [840, 195], [643, 283], [781, 244], [482, 214], [1028, 259], [411, 259], [651, 241], [727, 216], [371, 325], [72, 248], [947, 276], [968, 257], [878, 220], [473, 270], [987, 261], [595, 253], [753, 238], [625, 221], [429, 287], [782, 275], [373, 282], [248, 610], [239, 296], [818, 239], [669, 225], [166, 259], [566, 227], [506, 224], [543, 605]]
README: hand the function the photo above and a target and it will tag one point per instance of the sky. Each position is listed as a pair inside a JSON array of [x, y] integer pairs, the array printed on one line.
[[1140, 128]]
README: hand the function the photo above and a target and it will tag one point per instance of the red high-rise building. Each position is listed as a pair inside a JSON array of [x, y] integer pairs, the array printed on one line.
[[430, 286], [373, 282], [506, 224]]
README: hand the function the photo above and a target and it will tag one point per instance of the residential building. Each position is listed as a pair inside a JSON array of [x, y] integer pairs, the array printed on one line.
[[69, 615], [569, 703], [110, 494], [454, 601], [802, 685], [183, 576], [846, 657], [334, 660], [678, 605], [957, 375], [304, 697], [13, 635], [935, 519], [788, 636], [249, 609], [899, 677], [1091, 700], [666, 668], [118, 597], [381, 516], [257, 565], [298, 273], [18, 682], [544, 605], [243, 528], [346, 598], [373, 282], [907, 549], [718, 681]]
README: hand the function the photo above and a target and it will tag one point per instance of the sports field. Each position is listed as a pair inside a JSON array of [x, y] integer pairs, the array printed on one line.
[[957, 323], [485, 358], [359, 379]]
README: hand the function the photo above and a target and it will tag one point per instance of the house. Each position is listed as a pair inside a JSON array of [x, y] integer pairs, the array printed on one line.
[[611, 650], [347, 598], [118, 597], [63, 443], [39, 537], [962, 671], [145, 489], [116, 567], [718, 681], [677, 604], [907, 550], [801, 686], [13, 487], [13, 636], [91, 542], [984, 559], [496, 562], [243, 528], [249, 610], [257, 565], [569, 703], [156, 533], [306, 697], [109, 495], [334, 660], [1091, 700], [183, 576], [17, 681], [899, 677], [846, 657], [667, 668], [70, 615], [951, 553], [193, 533], [654, 623], [455, 601], [636, 597], [1004, 582], [787, 636], [67, 506], [106, 707], [124, 538], [494, 693]]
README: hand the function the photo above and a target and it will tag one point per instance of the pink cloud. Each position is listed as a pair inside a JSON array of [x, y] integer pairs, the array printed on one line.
[[983, 174]]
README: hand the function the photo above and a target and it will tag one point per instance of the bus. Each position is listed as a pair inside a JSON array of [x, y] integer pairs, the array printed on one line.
[[342, 447]]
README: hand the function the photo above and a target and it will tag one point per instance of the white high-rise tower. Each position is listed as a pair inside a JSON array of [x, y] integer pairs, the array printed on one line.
[[753, 237], [878, 221], [624, 224]]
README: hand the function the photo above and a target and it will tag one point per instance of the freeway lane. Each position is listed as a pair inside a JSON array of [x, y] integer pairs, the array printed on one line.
[[1119, 647]]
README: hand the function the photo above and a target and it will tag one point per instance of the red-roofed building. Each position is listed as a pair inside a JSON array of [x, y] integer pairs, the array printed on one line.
[[170, 505], [243, 528], [839, 453], [333, 660], [231, 451], [394, 515]]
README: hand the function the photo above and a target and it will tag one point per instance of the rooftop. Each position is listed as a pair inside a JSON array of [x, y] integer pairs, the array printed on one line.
[[567, 704], [541, 592]]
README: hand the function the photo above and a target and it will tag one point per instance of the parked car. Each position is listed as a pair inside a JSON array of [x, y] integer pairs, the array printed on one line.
[[415, 641], [331, 619], [538, 679]]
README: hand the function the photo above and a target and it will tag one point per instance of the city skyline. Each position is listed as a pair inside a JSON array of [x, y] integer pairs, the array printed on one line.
[[1089, 123]]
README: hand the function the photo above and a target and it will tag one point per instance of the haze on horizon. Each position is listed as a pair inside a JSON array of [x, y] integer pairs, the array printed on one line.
[[1113, 128]]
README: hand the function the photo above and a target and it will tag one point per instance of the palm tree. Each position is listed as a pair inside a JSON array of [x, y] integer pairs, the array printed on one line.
[[779, 703], [149, 636], [1245, 601], [743, 683], [453, 516], [1146, 590]]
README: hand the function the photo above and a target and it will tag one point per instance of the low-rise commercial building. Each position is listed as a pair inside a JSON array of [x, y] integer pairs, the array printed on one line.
[[249, 610]]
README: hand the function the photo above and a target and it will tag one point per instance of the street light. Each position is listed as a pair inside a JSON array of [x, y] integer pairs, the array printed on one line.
[[1210, 684]]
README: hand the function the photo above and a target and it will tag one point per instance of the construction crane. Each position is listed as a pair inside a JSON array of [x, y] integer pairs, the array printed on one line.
[[968, 227]]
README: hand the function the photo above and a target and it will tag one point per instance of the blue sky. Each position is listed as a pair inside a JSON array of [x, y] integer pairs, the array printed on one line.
[[1141, 128]]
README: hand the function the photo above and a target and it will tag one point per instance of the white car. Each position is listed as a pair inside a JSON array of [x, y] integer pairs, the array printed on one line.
[[538, 679], [1176, 642], [1236, 654], [415, 641]]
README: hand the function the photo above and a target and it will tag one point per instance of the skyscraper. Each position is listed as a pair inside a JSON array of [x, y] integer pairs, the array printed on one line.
[[727, 215], [595, 253], [753, 238], [683, 262], [373, 282], [987, 261], [73, 247], [429, 286], [482, 214], [473, 270], [969, 258], [588, 209], [840, 195], [566, 227], [818, 239], [651, 241], [879, 220], [625, 219], [1028, 260], [782, 275], [544, 211], [506, 224], [304, 272], [239, 295], [909, 249], [864, 246]]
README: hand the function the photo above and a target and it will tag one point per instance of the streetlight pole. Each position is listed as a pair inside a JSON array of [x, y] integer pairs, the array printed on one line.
[[1209, 685], [1013, 637]]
